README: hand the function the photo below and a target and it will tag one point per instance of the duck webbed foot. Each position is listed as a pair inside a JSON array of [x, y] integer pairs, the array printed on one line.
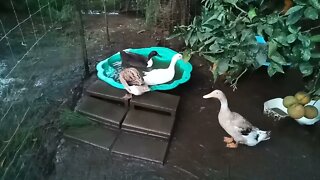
[[232, 145], [127, 96], [228, 139]]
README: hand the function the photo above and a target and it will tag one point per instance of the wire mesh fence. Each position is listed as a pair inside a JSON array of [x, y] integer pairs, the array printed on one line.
[[46, 47], [39, 64]]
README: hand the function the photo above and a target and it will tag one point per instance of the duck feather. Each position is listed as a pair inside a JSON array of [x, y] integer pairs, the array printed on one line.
[[130, 59], [132, 81]]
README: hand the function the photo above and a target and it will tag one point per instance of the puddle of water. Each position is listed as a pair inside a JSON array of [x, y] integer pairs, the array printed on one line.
[[117, 69], [5, 85]]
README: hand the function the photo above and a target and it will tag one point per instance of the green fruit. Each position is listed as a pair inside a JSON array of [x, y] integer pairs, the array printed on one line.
[[310, 112], [302, 97], [289, 100], [296, 111]]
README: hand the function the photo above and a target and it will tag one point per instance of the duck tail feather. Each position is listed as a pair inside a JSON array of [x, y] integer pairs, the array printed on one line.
[[264, 135]]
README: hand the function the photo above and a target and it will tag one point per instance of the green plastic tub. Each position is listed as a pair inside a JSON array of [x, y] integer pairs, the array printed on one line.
[[109, 68]]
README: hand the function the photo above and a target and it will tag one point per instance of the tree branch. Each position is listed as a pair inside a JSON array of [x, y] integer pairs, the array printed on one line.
[[237, 7], [313, 28], [235, 81]]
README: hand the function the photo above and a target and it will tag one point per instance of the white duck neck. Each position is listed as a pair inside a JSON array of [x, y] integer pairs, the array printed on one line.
[[172, 64], [224, 105]]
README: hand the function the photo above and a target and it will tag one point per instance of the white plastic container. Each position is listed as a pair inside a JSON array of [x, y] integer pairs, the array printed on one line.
[[275, 108]]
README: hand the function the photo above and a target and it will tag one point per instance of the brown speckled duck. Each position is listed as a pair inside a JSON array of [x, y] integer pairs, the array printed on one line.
[[133, 82]]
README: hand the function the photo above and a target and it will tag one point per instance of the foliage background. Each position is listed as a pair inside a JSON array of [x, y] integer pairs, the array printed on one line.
[[225, 35]]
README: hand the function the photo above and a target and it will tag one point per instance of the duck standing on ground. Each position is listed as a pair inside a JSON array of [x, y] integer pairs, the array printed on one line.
[[130, 59], [240, 130], [133, 82], [161, 76]]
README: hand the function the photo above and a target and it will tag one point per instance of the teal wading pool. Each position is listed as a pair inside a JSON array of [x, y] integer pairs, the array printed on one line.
[[108, 69]]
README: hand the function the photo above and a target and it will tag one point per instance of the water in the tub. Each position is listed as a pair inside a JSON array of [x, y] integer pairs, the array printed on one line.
[[117, 68]]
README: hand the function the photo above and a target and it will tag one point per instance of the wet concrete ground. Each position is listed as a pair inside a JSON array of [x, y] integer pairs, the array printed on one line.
[[197, 150]]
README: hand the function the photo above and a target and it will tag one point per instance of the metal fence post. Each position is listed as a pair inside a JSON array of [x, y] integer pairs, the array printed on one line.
[[106, 20], [78, 5]]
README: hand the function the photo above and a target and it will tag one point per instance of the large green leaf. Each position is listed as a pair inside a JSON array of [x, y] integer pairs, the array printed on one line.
[[188, 36], [291, 38], [221, 16], [234, 33], [294, 9], [282, 39], [315, 3], [260, 29], [305, 40], [278, 58], [245, 34], [296, 50], [213, 17], [306, 54], [261, 58], [222, 66], [272, 48], [311, 13], [200, 36], [240, 57], [252, 13], [186, 55], [193, 39], [306, 69], [211, 40], [271, 71], [273, 18], [207, 35], [315, 55], [300, 2], [215, 48], [315, 38], [293, 29], [269, 30], [274, 68], [294, 17], [277, 67]]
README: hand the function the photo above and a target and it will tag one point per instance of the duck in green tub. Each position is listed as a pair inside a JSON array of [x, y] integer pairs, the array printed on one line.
[[158, 68]]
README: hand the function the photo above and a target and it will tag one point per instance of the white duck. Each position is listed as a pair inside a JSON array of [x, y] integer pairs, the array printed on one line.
[[132, 81], [161, 76], [240, 130]]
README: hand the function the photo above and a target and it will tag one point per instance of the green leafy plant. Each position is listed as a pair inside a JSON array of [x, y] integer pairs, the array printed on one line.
[[69, 118], [225, 33]]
